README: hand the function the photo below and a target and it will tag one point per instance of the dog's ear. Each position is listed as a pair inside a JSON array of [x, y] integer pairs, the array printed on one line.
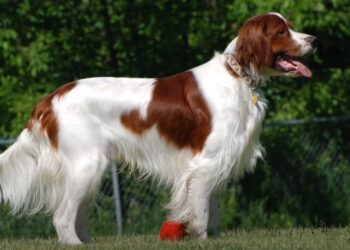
[[253, 48]]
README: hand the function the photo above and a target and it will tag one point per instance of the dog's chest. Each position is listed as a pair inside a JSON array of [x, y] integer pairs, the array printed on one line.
[[242, 111], [242, 116]]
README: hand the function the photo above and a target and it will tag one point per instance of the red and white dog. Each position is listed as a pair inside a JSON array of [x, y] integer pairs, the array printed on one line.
[[191, 131]]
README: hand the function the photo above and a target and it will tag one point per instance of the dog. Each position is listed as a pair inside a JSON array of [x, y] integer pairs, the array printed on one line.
[[192, 131]]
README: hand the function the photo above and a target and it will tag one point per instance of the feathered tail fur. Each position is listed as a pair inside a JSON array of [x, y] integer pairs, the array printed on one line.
[[30, 175]]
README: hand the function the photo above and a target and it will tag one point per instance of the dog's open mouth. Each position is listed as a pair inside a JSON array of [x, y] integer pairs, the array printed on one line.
[[292, 66]]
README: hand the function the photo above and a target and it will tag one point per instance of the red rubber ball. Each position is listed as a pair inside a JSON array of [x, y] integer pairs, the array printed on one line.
[[172, 231]]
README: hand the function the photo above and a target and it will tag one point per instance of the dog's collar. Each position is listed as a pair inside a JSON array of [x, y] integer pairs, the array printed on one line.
[[234, 65]]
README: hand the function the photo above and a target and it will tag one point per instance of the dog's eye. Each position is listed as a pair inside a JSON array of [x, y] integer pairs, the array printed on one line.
[[282, 32]]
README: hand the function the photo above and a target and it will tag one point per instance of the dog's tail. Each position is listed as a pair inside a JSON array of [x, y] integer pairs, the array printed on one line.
[[29, 173]]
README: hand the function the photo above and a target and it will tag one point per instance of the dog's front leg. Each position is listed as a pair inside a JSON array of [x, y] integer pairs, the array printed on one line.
[[201, 187]]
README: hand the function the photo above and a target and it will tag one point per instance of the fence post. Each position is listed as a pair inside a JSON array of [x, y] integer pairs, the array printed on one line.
[[117, 199]]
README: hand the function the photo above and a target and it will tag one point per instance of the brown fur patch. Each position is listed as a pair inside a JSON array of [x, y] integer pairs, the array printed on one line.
[[262, 38], [44, 114], [178, 110]]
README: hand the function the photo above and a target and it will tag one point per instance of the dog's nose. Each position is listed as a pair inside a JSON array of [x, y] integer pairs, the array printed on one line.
[[312, 40]]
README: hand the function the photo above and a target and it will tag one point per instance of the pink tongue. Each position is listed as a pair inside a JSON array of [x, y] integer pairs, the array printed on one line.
[[302, 69]]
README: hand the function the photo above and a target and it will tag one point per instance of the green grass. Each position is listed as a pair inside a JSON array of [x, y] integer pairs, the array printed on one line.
[[324, 238]]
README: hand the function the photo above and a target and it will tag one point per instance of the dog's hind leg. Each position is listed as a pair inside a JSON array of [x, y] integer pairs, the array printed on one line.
[[82, 179], [81, 223], [64, 221], [214, 214]]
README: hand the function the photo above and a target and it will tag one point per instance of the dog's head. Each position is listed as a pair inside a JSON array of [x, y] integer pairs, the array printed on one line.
[[268, 45]]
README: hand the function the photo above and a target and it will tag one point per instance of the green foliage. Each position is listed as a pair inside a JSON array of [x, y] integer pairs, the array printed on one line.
[[45, 44], [11, 226], [303, 182]]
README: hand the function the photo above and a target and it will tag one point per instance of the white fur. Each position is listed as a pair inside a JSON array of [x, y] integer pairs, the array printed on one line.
[[230, 49], [91, 134], [301, 39], [30, 176]]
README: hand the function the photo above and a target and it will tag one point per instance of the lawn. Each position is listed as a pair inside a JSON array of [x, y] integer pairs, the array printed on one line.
[[320, 238]]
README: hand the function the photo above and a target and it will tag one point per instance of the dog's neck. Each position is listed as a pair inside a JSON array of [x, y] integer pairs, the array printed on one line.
[[237, 69], [251, 75]]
